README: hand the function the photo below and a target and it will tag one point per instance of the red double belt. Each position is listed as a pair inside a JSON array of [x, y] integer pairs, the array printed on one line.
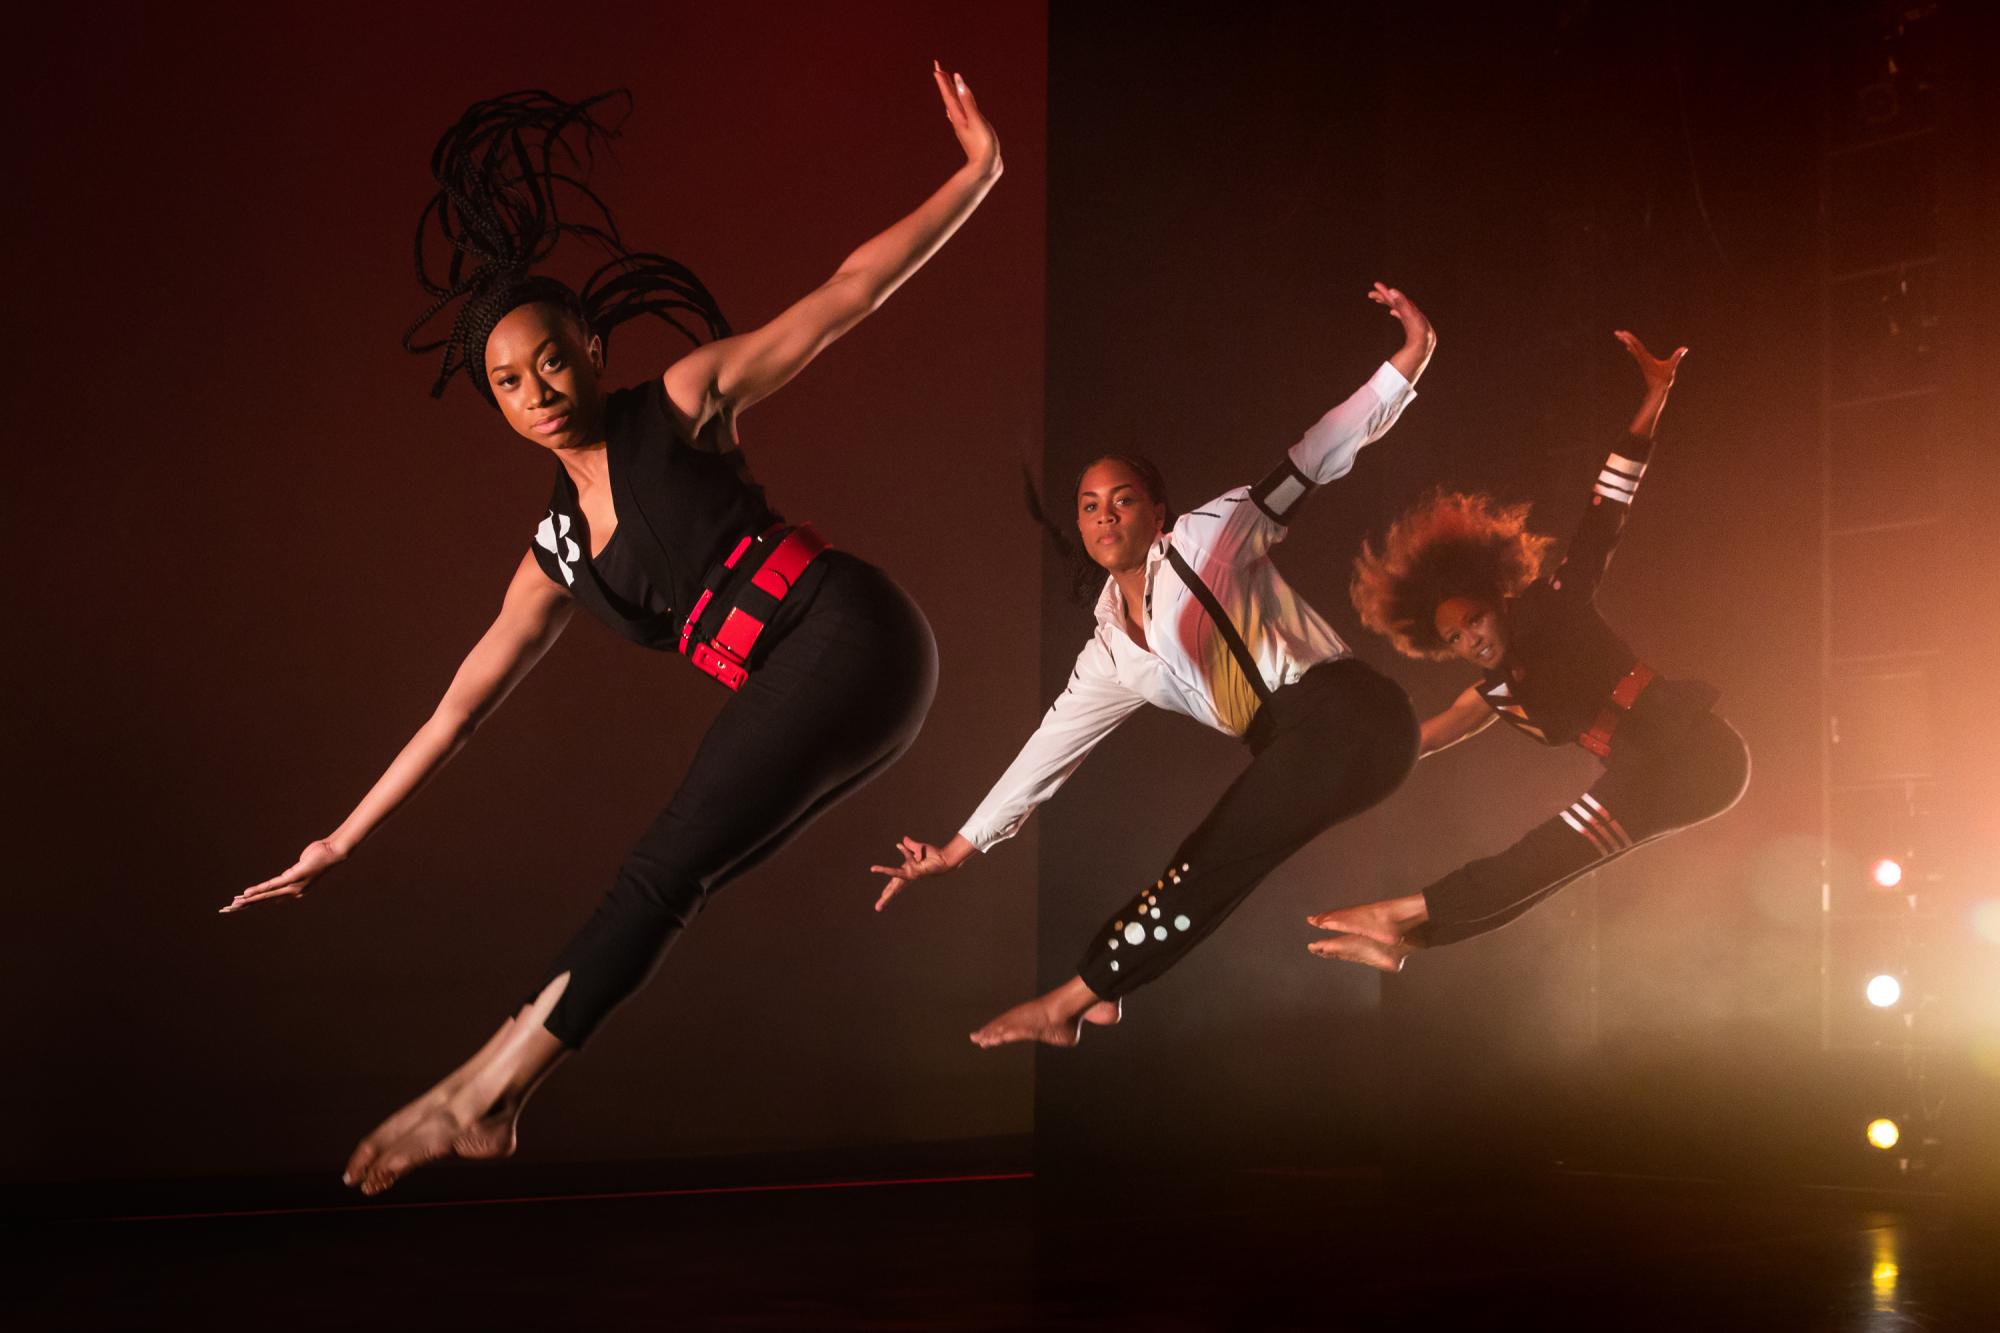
[[725, 654], [1623, 695]]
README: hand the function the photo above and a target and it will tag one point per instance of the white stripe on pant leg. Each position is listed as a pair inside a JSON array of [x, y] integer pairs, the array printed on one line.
[[1593, 814], [1588, 836], [1609, 819]]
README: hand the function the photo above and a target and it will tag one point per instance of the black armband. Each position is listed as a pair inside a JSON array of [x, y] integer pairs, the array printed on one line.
[[1282, 491]]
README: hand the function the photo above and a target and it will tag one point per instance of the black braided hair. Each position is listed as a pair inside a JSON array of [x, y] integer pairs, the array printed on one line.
[[1086, 577], [512, 180]]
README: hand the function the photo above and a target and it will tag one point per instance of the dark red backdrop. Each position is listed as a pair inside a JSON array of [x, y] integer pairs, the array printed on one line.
[[252, 551]]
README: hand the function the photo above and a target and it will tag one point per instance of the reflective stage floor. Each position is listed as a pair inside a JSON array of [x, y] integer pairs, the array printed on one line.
[[1003, 1249]]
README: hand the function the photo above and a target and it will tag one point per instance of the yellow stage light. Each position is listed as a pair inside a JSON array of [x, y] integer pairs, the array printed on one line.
[[1887, 872], [1884, 990], [1884, 1134]]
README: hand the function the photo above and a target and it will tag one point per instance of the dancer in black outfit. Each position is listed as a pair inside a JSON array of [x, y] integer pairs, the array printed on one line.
[[1194, 617], [1458, 577], [658, 530]]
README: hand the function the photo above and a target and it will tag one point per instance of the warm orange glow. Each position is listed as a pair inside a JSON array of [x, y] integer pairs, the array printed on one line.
[[1986, 920], [1887, 873]]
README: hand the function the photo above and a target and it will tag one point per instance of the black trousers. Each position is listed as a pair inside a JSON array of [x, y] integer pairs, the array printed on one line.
[[837, 699], [1326, 748], [1647, 791]]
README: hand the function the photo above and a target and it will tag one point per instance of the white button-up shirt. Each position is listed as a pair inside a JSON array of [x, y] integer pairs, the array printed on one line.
[[1189, 667]]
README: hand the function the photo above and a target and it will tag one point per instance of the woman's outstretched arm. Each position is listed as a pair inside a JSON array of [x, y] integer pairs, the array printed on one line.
[[1590, 550], [1090, 708], [531, 617], [1468, 715], [727, 376], [1658, 372], [1330, 445]]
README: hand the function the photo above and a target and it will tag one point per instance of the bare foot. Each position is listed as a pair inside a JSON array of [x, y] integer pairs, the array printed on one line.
[[472, 1113], [433, 1126], [1030, 1022], [1386, 922], [1055, 1019], [1361, 949]]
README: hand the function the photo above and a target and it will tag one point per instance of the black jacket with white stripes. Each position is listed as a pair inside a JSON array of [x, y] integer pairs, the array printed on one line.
[[1563, 660]]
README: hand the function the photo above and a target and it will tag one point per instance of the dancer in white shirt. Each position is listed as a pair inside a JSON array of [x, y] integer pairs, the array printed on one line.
[[1195, 618]]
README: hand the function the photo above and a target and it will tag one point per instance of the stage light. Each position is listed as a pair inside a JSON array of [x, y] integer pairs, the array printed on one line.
[[1887, 872], [1884, 990], [1883, 1133]]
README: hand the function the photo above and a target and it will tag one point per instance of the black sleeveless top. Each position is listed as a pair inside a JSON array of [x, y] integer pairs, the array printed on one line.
[[682, 506]]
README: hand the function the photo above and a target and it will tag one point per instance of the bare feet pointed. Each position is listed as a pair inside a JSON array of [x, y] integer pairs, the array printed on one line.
[[1033, 1021], [1360, 949], [428, 1130], [1367, 921]]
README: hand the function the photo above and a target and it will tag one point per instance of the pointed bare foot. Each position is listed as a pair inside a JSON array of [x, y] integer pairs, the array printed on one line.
[[430, 1128], [1386, 922], [1361, 949], [1033, 1021]]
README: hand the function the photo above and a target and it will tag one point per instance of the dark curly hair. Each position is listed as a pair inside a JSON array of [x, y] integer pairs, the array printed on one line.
[[512, 180], [1454, 544], [1085, 578]]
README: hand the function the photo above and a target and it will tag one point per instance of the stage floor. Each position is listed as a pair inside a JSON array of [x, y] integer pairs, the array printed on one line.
[[1004, 1250]]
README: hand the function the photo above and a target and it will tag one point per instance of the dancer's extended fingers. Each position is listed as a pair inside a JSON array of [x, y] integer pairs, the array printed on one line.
[[251, 897], [952, 110], [968, 105], [890, 890]]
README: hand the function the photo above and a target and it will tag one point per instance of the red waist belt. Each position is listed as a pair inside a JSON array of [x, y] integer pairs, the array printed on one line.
[[725, 653], [1623, 695]]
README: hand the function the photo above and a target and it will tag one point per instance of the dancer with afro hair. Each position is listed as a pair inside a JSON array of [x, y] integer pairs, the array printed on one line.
[[1462, 577]]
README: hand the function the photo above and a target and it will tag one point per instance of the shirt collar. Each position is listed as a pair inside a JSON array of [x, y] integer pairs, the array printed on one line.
[[1110, 608]]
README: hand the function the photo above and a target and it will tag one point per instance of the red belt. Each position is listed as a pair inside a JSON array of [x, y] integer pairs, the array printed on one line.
[[725, 654], [1623, 695]]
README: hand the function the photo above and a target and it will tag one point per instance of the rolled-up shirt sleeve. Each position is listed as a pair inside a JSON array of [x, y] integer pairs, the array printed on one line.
[[1090, 707]]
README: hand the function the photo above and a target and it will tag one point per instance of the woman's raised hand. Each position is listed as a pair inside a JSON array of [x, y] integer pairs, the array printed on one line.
[[1659, 371], [975, 136], [1416, 328], [319, 857], [920, 859]]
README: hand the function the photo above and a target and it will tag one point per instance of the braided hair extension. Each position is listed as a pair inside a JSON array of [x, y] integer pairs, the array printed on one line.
[[1085, 577], [1453, 544], [512, 178]]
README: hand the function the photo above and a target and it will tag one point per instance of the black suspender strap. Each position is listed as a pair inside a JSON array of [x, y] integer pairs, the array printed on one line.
[[1237, 648]]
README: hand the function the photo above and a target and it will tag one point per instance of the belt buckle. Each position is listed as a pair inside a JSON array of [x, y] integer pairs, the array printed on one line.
[[712, 663]]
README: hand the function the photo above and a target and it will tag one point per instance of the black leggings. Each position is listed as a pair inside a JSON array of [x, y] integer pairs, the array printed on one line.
[[1645, 793], [837, 699], [1326, 748]]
